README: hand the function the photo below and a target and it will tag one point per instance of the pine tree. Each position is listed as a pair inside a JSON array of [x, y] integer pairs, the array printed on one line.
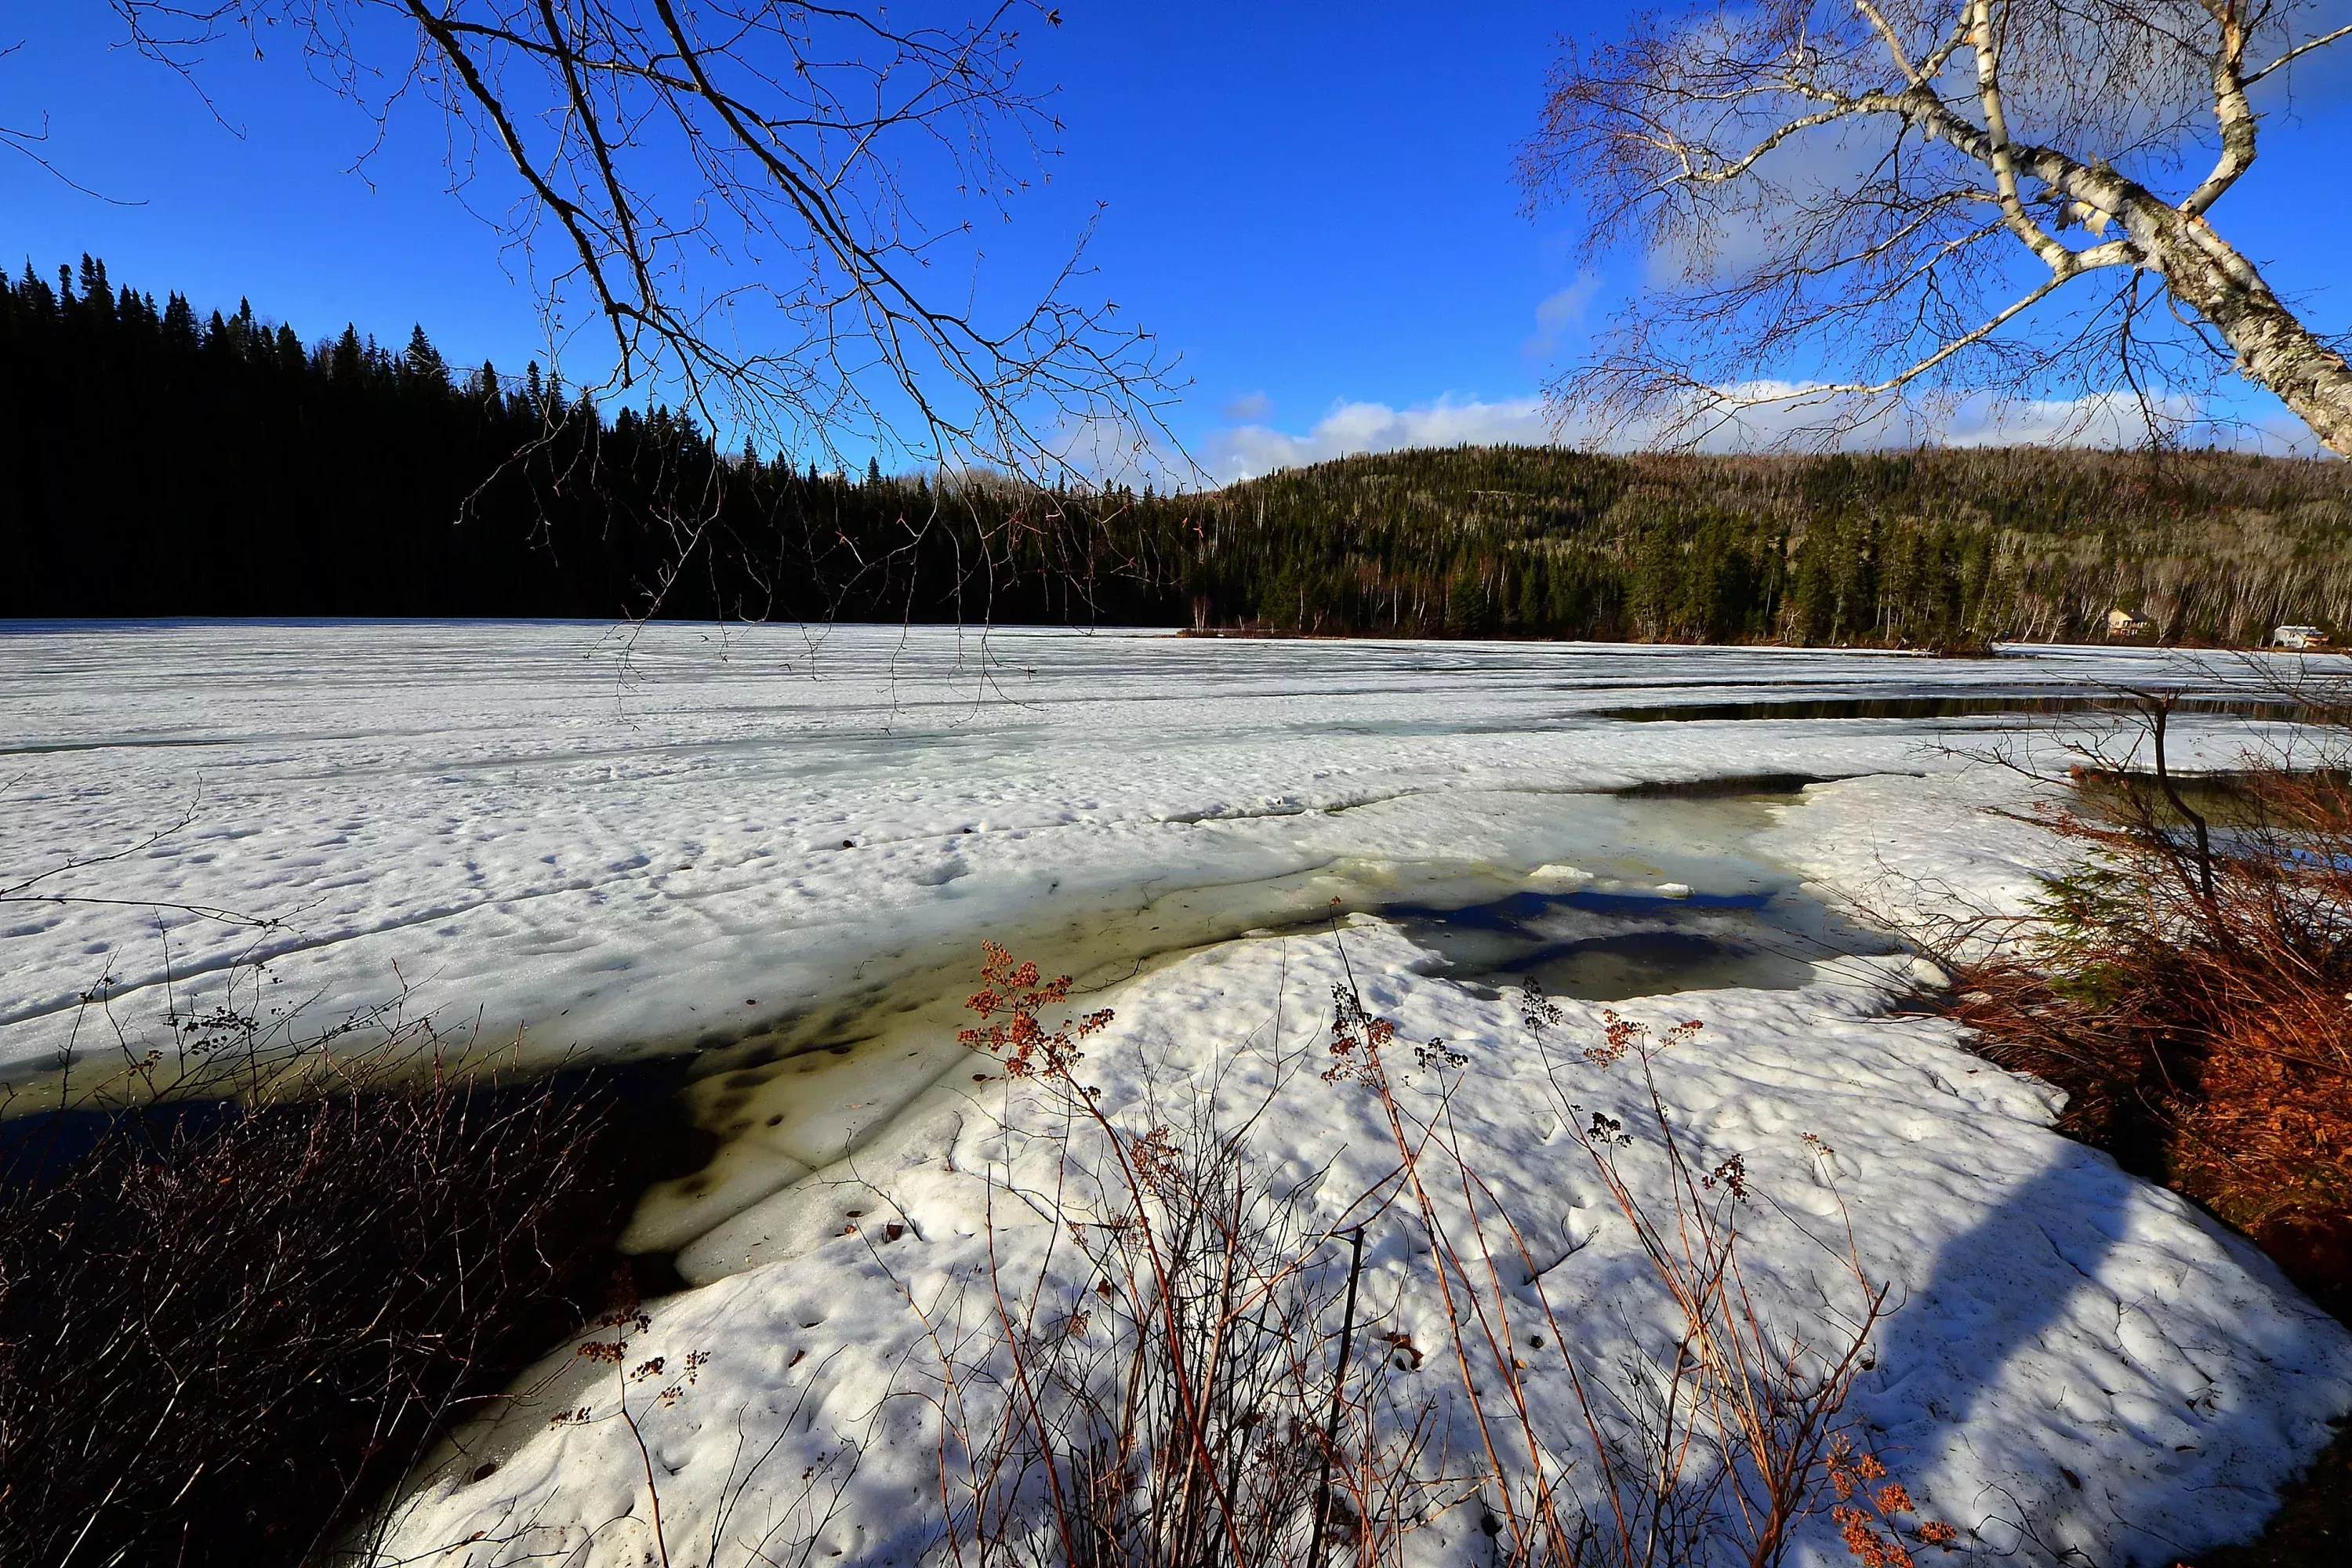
[[168, 461], [421, 363], [348, 364]]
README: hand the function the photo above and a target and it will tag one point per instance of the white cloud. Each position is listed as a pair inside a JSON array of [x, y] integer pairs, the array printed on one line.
[[1564, 309], [1249, 451], [1248, 408], [2109, 419], [1801, 416]]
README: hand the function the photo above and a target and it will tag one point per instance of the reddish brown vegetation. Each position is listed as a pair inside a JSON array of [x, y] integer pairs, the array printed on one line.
[[2187, 984], [1219, 1394]]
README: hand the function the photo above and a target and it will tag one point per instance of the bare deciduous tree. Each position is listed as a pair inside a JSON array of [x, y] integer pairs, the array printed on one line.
[[31, 142], [732, 195], [1942, 197]]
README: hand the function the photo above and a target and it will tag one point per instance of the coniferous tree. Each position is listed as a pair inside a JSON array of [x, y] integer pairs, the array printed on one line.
[[156, 462]]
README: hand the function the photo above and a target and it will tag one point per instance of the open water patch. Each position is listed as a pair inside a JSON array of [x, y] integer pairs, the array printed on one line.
[[1956, 705], [1604, 944], [1724, 786]]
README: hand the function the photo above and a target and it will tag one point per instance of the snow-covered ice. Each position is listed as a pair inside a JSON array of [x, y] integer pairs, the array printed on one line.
[[2056, 1315], [613, 841], [761, 841]]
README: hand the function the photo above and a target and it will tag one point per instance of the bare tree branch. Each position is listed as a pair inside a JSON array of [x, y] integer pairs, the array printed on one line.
[[792, 286], [32, 144], [2302, 49], [1820, 173]]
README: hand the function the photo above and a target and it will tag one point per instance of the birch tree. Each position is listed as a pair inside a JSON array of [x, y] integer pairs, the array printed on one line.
[[1921, 201]]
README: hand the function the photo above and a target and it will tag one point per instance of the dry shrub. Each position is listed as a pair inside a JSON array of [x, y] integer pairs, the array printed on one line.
[[1714, 1446], [2187, 984], [1205, 1394], [1212, 1391], [1197, 1406], [225, 1328]]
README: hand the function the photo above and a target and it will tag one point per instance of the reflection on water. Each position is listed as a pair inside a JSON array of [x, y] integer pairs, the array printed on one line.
[[1602, 945]]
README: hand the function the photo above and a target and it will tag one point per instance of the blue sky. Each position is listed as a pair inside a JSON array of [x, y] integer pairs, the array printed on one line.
[[1312, 202]]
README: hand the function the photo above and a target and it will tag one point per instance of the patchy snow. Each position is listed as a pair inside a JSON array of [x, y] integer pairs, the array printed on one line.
[[2057, 1317], [1948, 846], [781, 848]]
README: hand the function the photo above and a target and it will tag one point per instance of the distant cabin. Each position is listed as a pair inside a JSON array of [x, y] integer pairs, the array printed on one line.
[[2298, 636], [2124, 624]]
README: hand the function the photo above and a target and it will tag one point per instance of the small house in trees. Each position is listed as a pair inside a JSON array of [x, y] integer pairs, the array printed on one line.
[[2298, 636], [2122, 623]]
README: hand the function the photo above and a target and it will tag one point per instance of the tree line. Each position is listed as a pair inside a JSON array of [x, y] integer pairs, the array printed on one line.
[[1920, 547], [155, 463]]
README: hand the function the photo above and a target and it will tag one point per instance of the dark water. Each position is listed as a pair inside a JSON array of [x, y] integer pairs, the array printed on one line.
[[1956, 706], [35, 1147], [1601, 945]]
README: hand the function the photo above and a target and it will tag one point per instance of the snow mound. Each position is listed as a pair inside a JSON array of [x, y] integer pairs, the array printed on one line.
[[2080, 1362]]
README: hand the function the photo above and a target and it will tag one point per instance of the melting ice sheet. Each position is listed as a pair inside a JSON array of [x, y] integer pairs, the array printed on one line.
[[684, 836], [1668, 894], [2081, 1362], [777, 851], [1608, 946], [1594, 897]]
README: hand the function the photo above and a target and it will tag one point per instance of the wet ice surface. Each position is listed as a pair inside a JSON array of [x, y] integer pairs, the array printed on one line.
[[777, 853], [682, 839], [1664, 896], [1940, 705], [1637, 898]]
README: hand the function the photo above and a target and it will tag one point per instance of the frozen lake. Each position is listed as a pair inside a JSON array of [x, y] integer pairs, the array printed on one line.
[[778, 849], [612, 842]]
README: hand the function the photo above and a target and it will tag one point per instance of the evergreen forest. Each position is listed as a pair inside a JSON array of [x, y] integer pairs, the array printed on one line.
[[153, 462]]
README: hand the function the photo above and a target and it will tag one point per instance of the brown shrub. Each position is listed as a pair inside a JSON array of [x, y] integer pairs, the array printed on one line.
[[225, 1328], [1209, 1400], [2187, 984], [1217, 1398]]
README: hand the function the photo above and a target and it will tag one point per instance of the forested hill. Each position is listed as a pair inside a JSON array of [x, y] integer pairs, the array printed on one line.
[[1923, 547], [156, 463]]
